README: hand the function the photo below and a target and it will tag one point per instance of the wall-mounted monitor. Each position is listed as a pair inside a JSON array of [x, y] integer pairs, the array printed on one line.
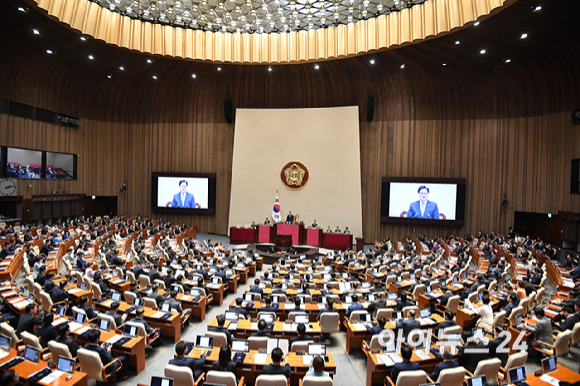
[[187, 193], [23, 163], [423, 201]]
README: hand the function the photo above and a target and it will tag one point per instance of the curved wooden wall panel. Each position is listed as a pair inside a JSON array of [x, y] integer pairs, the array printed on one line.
[[410, 25]]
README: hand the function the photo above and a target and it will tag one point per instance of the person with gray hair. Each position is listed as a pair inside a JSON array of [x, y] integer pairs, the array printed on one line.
[[446, 364]]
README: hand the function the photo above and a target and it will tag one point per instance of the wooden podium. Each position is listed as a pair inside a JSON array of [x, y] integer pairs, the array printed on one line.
[[284, 241]]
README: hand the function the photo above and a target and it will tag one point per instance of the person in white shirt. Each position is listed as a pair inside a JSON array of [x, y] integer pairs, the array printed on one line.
[[485, 312]]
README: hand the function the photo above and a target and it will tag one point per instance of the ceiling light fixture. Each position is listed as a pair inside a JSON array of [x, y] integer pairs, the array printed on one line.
[[48, 51], [457, 42], [402, 66], [36, 32], [193, 76], [21, 9], [476, 24], [372, 61], [444, 64], [91, 57], [219, 68], [538, 8], [109, 76], [154, 76], [269, 68], [122, 68], [507, 60], [524, 36], [316, 66], [83, 38], [482, 52], [149, 61]]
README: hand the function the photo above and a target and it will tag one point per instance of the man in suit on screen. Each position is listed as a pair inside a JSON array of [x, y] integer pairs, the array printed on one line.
[[183, 199], [423, 208]]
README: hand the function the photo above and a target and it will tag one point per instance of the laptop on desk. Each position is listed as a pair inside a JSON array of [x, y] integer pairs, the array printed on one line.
[[517, 376], [66, 365], [205, 342], [160, 381], [549, 365], [476, 381]]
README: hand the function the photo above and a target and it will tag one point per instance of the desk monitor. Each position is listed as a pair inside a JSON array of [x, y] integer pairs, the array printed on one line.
[[275, 299], [301, 319], [159, 381], [240, 346], [216, 281], [476, 381], [83, 286], [366, 285], [345, 275], [116, 296], [204, 342], [390, 347], [249, 297], [80, 318], [425, 313], [176, 288], [399, 314], [268, 318], [5, 342], [104, 325], [194, 293], [32, 354], [412, 277], [366, 318], [211, 271], [130, 331], [399, 279], [392, 296], [65, 364], [428, 289], [371, 298], [61, 311], [138, 302], [520, 319], [480, 297], [166, 307], [322, 299], [127, 278], [549, 365], [232, 316], [517, 374], [115, 273], [316, 349], [454, 280], [348, 299], [229, 272]]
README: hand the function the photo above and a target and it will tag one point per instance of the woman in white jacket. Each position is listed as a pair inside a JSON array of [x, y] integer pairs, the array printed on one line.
[[485, 313]]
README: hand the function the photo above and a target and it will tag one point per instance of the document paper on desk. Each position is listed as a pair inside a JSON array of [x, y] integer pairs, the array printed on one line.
[[74, 326], [359, 326], [3, 354], [396, 358], [549, 379], [306, 360], [286, 327], [260, 359], [51, 377], [385, 360], [114, 339], [158, 314], [82, 330], [422, 354]]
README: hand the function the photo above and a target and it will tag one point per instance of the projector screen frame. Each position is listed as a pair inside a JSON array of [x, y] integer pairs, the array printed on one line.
[[211, 194], [459, 203]]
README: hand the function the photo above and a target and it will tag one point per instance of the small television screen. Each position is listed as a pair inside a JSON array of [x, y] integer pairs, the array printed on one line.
[[183, 192], [423, 201]]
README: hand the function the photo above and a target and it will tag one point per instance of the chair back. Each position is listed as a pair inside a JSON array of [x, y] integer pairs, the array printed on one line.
[[131, 275], [150, 303], [452, 377], [419, 289], [375, 343], [301, 345], [355, 315], [201, 291], [9, 331], [96, 291], [311, 380], [221, 378], [30, 340], [453, 330], [453, 303], [524, 304], [271, 380], [499, 319], [159, 282], [390, 279], [258, 342], [489, 368], [387, 313], [411, 378], [219, 338], [144, 281], [562, 344], [141, 331], [129, 297], [36, 290], [182, 375], [46, 302], [329, 322], [91, 364], [575, 337], [58, 350], [516, 360], [30, 282], [514, 316], [472, 297]]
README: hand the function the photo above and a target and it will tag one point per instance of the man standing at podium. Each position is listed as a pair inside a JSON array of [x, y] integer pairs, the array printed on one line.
[[290, 219]]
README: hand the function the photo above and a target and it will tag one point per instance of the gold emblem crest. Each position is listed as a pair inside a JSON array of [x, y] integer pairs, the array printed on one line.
[[294, 175]]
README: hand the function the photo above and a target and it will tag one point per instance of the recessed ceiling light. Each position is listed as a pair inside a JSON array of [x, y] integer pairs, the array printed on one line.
[[36, 32], [48, 51], [83, 38], [482, 52], [122, 68], [538, 8], [269, 68], [21, 9], [402, 66], [193, 76], [154, 77], [219, 68], [476, 24], [457, 42], [507, 60], [444, 64], [372, 61], [524, 36], [91, 57], [316, 66], [149, 61], [109, 76]]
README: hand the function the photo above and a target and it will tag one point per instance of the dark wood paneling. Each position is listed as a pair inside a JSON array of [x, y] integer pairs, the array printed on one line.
[[505, 128]]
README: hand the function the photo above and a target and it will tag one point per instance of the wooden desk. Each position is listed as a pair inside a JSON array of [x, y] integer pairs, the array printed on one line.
[[561, 374], [26, 368], [217, 292], [233, 283], [243, 273], [170, 327], [376, 371], [246, 328]]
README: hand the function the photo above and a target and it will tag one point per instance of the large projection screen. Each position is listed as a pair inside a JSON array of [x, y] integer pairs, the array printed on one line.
[[325, 140]]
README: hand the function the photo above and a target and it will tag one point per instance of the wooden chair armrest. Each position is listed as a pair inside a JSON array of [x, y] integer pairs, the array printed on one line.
[[429, 380], [242, 381], [199, 379], [389, 381], [469, 373], [300, 382], [365, 346], [544, 343], [109, 364]]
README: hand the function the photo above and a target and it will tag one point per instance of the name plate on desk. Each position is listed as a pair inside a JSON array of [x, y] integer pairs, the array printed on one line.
[[11, 363], [34, 378]]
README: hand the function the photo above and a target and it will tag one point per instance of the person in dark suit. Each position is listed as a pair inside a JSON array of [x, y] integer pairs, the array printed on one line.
[[467, 357], [91, 314], [221, 320], [105, 355], [423, 208], [528, 287], [267, 221], [114, 313], [494, 344], [105, 290], [301, 330], [169, 279], [575, 272], [570, 320], [376, 328], [139, 312], [409, 324], [447, 293], [183, 199], [537, 277], [47, 330], [49, 283], [138, 271], [159, 299], [275, 367], [446, 364], [403, 301], [6, 251], [28, 236], [355, 306], [154, 273], [447, 323], [63, 331], [173, 302], [196, 365], [261, 330], [406, 364], [27, 321], [268, 307], [512, 303], [255, 288], [329, 307], [568, 263], [41, 277], [224, 363], [58, 293]]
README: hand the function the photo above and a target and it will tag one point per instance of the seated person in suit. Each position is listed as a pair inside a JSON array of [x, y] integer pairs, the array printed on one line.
[[329, 307], [239, 309], [317, 369], [27, 321], [355, 306], [570, 317], [114, 313], [203, 287], [468, 355], [224, 363], [49, 283], [159, 299], [406, 364], [47, 330], [41, 277], [63, 331], [104, 352], [91, 314], [409, 324], [513, 302], [261, 330], [58, 293], [447, 293], [446, 364], [314, 224], [105, 290], [447, 323], [278, 290], [337, 230], [495, 343], [346, 231], [275, 367], [256, 287], [376, 329], [139, 312], [301, 330], [196, 365], [221, 320], [268, 307], [403, 301]]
